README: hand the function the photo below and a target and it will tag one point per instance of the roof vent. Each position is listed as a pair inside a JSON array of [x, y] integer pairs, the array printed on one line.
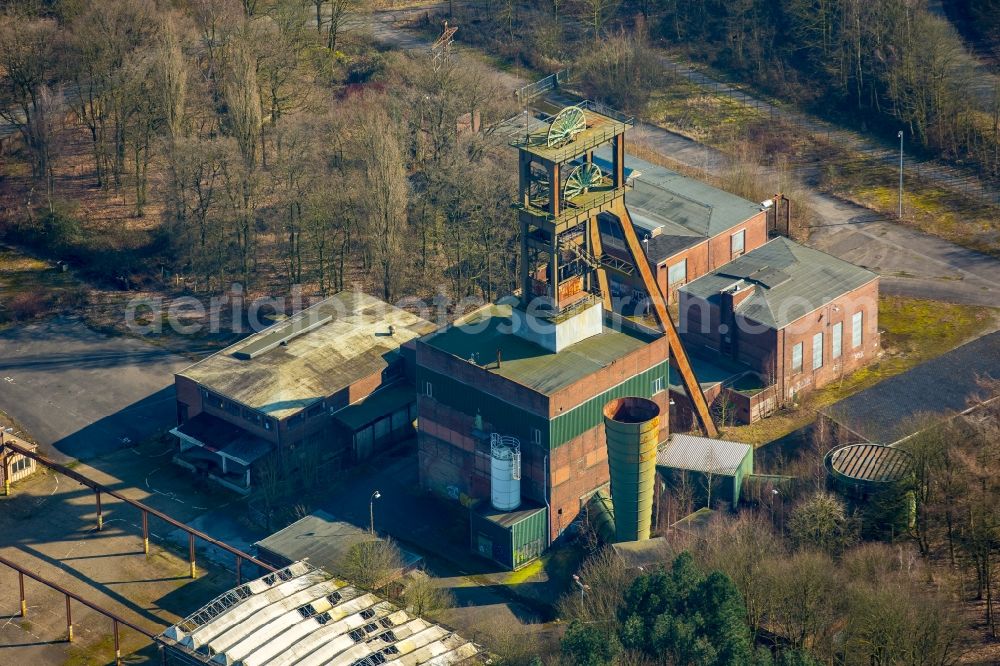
[[281, 335]]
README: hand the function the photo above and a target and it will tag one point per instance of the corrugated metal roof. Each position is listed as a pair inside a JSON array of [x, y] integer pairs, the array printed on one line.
[[702, 454], [324, 541], [948, 384], [797, 280], [353, 344], [870, 462], [304, 616], [508, 518]]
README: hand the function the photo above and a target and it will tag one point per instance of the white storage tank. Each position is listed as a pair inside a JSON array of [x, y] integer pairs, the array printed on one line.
[[505, 472]]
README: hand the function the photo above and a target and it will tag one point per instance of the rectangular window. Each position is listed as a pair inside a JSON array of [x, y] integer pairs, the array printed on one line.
[[838, 339], [739, 242], [856, 324], [678, 273], [817, 351], [536, 436], [428, 390], [657, 385], [797, 357]]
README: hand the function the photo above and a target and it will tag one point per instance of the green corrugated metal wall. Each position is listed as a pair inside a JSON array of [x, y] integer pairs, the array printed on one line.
[[519, 423], [590, 414], [745, 470], [513, 546], [528, 538]]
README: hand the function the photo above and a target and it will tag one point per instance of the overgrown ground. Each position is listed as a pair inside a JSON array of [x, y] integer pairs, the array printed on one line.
[[31, 287], [953, 216], [821, 161], [913, 331]]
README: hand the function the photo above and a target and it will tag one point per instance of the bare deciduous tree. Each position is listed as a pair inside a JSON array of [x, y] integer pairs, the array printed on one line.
[[386, 193], [371, 564]]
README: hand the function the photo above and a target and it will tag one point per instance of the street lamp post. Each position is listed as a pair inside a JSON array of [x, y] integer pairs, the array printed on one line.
[[900, 135], [781, 509], [371, 511], [583, 587]]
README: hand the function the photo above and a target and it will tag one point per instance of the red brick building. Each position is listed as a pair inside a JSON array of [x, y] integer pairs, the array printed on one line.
[[337, 375], [796, 317], [550, 401], [688, 228]]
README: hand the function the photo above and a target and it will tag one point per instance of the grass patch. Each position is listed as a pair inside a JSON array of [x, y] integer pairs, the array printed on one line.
[[948, 214], [913, 331], [31, 287], [687, 109]]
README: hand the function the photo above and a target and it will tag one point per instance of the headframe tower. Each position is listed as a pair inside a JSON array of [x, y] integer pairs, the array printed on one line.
[[562, 190]]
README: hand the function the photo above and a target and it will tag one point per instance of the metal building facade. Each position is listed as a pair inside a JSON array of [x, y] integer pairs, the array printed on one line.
[[512, 539]]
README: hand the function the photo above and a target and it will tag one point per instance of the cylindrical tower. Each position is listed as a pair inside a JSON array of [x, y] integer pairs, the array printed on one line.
[[632, 426], [505, 472]]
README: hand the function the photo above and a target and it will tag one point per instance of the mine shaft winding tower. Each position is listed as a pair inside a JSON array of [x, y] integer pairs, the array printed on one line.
[[562, 190]]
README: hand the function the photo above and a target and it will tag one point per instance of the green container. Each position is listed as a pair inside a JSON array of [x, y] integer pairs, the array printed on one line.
[[632, 427], [512, 539]]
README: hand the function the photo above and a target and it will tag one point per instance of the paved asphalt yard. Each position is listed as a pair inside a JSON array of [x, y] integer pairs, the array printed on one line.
[[81, 394]]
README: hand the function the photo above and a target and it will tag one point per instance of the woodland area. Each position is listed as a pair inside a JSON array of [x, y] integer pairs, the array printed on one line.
[[881, 66], [266, 142], [804, 578]]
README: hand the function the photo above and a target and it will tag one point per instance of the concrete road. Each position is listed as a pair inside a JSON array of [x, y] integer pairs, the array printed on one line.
[[82, 394]]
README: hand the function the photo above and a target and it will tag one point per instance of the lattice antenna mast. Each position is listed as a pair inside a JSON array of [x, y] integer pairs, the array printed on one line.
[[441, 49]]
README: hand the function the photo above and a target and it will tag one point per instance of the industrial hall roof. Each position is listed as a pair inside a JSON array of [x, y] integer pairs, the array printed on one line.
[[702, 454], [690, 210], [789, 281], [949, 384], [304, 616], [311, 355], [323, 541], [477, 337], [678, 212]]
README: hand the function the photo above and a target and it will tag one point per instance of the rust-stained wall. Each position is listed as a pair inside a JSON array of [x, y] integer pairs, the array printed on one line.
[[454, 460]]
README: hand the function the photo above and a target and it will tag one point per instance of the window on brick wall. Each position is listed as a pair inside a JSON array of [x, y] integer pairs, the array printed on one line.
[[817, 351], [678, 273], [738, 242], [857, 323], [797, 358], [838, 339]]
